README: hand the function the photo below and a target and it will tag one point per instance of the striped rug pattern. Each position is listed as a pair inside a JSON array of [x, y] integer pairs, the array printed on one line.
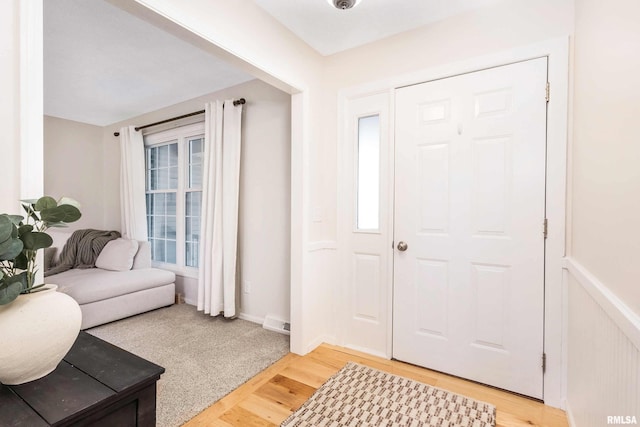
[[361, 396]]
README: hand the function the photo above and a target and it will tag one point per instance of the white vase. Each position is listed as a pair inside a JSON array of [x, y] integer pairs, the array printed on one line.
[[36, 332]]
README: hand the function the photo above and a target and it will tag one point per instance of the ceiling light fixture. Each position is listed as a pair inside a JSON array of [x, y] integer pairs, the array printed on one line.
[[344, 4]]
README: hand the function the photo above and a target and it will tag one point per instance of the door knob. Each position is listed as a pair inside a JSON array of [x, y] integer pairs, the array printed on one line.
[[402, 246]]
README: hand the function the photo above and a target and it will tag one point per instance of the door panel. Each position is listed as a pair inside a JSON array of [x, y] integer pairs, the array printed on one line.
[[365, 296], [470, 204]]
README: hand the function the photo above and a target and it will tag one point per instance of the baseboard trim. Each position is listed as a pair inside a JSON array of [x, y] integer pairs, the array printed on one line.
[[329, 339], [250, 318], [247, 317], [570, 419], [365, 350], [624, 317]]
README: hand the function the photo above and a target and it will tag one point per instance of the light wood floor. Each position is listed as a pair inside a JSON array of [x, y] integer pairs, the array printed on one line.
[[271, 396]]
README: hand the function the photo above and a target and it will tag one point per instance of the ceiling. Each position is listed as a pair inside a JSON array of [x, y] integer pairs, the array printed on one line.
[[103, 65], [329, 30]]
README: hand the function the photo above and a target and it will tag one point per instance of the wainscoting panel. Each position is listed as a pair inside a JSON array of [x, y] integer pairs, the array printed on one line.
[[603, 367]]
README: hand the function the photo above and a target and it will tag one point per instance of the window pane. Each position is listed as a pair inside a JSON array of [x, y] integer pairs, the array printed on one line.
[[158, 204], [162, 182], [192, 227], [158, 250], [173, 177], [161, 226], [171, 252], [153, 179], [368, 173], [153, 158], [171, 227], [162, 167], [163, 156], [196, 176], [171, 204], [173, 155], [190, 257], [195, 162]]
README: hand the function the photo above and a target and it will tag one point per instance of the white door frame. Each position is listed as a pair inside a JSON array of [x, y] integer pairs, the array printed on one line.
[[557, 50]]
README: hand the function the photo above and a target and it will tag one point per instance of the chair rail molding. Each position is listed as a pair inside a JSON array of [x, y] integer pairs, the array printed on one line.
[[624, 317]]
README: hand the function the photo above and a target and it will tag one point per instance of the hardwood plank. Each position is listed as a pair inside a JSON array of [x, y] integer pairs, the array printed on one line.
[[273, 394], [309, 372], [239, 417], [265, 408], [506, 419], [219, 423], [285, 391]]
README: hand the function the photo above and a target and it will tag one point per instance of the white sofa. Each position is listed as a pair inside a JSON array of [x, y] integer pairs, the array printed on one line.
[[105, 296]]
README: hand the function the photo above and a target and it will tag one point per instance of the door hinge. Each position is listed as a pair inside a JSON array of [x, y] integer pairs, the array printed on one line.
[[547, 91], [545, 227], [544, 362]]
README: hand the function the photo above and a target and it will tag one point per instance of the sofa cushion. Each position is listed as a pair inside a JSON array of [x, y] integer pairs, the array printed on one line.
[[95, 284], [117, 255], [60, 237], [143, 257]]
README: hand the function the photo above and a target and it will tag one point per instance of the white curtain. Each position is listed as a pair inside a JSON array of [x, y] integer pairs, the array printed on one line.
[[217, 287], [133, 207]]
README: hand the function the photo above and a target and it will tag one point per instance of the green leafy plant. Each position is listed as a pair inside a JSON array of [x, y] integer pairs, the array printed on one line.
[[22, 237]]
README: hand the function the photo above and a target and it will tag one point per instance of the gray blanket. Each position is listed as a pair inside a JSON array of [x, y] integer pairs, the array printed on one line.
[[82, 250]]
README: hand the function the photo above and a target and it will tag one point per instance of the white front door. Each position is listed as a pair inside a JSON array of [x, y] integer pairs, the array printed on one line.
[[470, 206]]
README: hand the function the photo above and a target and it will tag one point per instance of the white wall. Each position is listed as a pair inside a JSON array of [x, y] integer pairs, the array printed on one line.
[[604, 300], [73, 167], [265, 203], [265, 193], [606, 152], [506, 25]]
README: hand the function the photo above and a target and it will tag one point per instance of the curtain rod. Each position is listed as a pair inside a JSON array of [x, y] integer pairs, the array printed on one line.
[[240, 101]]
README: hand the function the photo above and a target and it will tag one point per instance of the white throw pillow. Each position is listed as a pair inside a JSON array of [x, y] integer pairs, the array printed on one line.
[[117, 255]]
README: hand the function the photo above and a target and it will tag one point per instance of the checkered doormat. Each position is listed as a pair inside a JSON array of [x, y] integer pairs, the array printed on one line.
[[361, 396]]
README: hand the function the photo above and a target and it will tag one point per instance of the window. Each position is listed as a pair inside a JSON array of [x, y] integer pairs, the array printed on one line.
[[368, 167], [174, 195]]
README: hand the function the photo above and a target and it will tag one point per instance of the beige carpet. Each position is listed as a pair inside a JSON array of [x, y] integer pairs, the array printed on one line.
[[361, 396], [205, 357]]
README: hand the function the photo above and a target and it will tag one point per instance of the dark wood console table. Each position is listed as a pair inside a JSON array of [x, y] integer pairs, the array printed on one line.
[[97, 384]]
